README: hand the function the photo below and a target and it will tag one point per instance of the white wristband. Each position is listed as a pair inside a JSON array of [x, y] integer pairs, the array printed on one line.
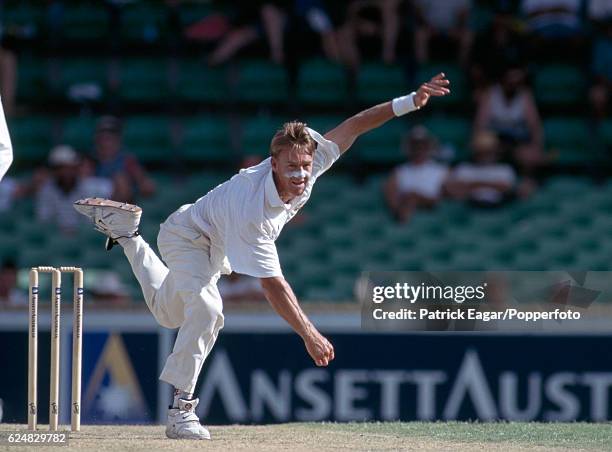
[[404, 104]]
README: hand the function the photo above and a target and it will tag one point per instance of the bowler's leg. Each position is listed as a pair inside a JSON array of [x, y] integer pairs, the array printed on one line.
[[196, 337]]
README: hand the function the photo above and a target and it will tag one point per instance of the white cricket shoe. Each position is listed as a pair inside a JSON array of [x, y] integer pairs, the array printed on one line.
[[183, 423], [112, 218]]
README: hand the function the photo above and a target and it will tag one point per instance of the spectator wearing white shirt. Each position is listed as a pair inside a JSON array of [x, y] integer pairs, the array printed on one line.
[[418, 183], [65, 184], [486, 182]]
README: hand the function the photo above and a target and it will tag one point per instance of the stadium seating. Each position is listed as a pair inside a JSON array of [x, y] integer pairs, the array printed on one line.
[[322, 82], [190, 123], [557, 84]]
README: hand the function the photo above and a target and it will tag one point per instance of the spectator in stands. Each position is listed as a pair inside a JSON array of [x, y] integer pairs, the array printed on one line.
[[600, 13], [274, 20], [128, 175], [10, 295], [508, 109], [555, 27], [66, 183], [486, 182], [236, 287], [368, 22], [440, 23], [500, 45], [418, 183]]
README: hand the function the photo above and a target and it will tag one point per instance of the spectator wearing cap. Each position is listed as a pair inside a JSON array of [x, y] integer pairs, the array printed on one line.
[[127, 174], [484, 182], [65, 184], [419, 183]]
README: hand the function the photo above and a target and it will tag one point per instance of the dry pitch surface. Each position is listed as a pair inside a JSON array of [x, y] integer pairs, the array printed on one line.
[[442, 436]]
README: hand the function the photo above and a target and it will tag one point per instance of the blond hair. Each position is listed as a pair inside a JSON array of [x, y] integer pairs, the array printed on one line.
[[292, 135]]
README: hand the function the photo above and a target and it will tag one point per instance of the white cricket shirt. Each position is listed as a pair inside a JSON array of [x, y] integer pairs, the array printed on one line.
[[6, 149], [245, 215]]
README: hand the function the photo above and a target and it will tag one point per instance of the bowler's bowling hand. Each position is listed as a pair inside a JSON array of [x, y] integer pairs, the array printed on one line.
[[319, 348], [437, 86]]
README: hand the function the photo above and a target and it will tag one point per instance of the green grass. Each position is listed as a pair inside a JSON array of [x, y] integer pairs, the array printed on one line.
[[371, 436], [556, 434]]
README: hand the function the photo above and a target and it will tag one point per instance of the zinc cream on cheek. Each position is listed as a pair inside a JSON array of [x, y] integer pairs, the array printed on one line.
[[297, 174]]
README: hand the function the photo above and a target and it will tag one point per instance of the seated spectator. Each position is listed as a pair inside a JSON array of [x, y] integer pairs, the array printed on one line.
[[418, 183], [440, 22], [555, 27], [271, 20], [236, 287], [486, 182], [128, 175], [600, 13], [508, 109], [10, 295], [500, 45], [64, 184], [368, 22]]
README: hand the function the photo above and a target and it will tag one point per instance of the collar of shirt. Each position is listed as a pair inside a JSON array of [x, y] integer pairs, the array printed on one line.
[[271, 193]]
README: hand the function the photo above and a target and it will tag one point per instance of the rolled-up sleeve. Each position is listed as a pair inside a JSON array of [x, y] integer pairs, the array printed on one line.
[[6, 148], [326, 154]]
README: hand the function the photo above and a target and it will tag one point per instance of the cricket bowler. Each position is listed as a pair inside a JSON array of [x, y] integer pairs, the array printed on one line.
[[233, 228]]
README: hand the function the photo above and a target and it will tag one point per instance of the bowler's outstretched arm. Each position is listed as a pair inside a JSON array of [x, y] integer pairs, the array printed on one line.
[[347, 132]]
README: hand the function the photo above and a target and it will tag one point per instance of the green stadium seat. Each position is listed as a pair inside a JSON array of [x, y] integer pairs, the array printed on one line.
[[323, 123], [144, 80], [343, 287], [31, 137], [322, 82], [143, 22], [382, 145], [451, 131], [149, 138], [23, 14], [85, 20], [377, 82], [570, 139], [257, 134], [261, 82], [77, 72], [32, 256], [559, 84], [78, 131], [206, 139], [192, 12], [605, 131], [199, 82], [32, 85]]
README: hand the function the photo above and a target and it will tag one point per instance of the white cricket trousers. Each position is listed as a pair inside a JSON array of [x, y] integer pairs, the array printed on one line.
[[181, 294]]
